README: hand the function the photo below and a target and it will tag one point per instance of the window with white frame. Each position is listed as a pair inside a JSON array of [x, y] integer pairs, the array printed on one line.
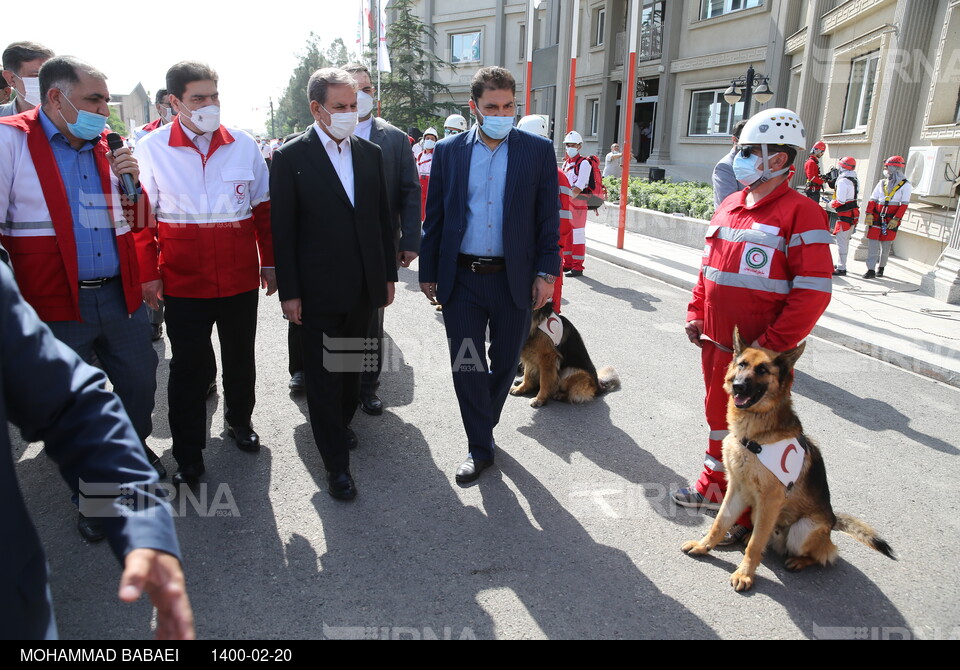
[[465, 47], [714, 8], [598, 23], [710, 114], [594, 107], [863, 75]]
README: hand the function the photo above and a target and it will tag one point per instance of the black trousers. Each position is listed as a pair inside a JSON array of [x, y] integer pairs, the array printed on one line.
[[369, 379], [335, 353], [190, 324]]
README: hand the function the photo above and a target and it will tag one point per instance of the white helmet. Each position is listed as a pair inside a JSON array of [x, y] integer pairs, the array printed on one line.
[[456, 122], [431, 131], [573, 137], [774, 126], [534, 123]]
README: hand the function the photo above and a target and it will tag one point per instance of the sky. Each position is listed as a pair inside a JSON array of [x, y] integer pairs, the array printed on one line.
[[253, 50]]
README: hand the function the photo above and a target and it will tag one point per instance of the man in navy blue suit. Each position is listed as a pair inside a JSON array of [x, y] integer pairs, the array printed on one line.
[[489, 252]]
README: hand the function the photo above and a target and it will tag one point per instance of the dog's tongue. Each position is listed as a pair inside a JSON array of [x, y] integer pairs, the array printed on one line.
[[740, 400]]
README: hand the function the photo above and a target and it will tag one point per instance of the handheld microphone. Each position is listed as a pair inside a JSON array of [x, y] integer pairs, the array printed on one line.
[[114, 141]]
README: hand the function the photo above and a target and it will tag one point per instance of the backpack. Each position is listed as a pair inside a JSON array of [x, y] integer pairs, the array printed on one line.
[[594, 194]]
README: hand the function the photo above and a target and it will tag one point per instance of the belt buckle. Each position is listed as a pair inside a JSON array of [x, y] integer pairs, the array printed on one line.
[[480, 262]]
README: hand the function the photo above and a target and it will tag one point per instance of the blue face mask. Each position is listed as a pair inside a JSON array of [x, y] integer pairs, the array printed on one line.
[[747, 169], [496, 127], [88, 125]]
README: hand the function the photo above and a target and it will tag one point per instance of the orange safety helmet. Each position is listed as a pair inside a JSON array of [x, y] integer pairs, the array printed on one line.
[[895, 161], [848, 163], [819, 146]]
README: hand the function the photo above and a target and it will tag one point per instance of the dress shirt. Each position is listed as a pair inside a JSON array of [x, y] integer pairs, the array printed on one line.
[[92, 227], [200, 140], [363, 129], [341, 157], [488, 178]]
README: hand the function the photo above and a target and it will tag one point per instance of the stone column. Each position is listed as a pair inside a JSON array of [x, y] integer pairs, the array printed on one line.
[[944, 282], [814, 77], [664, 130]]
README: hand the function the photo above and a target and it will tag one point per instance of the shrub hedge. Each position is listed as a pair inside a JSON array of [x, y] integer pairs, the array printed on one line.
[[693, 199]]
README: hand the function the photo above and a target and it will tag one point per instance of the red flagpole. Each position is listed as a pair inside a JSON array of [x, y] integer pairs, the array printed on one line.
[[629, 94], [572, 93]]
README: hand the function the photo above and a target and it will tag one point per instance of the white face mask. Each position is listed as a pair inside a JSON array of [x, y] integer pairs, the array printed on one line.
[[166, 114], [364, 104], [429, 144], [31, 86], [342, 124], [206, 119], [572, 151]]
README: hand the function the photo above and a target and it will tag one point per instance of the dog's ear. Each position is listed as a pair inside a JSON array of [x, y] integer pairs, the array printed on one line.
[[788, 359], [738, 343]]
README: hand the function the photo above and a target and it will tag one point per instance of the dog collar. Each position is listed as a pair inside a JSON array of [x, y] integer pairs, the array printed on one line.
[[784, 458]]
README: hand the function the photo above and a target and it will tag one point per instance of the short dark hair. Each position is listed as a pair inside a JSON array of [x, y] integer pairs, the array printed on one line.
[[63, 72], [161, 96], [19, 53], [324, 78], [185, 72], [354, 68], [738, 127], [492, 79]]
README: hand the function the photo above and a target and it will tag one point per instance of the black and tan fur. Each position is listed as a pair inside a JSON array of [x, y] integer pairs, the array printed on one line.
[[796, 523], [562, 372]]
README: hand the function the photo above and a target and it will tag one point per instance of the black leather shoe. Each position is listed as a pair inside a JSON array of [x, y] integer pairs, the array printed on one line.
[[189, 474], [91, 530], [470, 470], [352, 440], [341, 486], [157, 333], [371, 404], [839, 273], [574, 273], [869, 274], [246, 438], [154, 460], [880, 271], [297, 385]]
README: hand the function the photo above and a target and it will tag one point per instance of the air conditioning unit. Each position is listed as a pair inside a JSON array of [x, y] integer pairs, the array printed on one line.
[[933, 170]]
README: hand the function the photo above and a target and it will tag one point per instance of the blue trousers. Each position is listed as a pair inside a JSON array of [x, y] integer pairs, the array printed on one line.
[[478, 302], [121, 342]]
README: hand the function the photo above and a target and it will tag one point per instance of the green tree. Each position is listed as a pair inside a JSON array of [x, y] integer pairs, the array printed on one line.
[[337, 53], [116, 123], [407, 93], [293, 111]]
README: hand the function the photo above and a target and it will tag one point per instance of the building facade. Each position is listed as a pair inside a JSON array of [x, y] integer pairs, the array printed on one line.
[[872, 78]]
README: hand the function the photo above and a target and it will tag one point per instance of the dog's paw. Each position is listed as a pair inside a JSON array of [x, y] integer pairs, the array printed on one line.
[[694, 548], [798, 563], [537, 402], [519, 389], [740, 580]]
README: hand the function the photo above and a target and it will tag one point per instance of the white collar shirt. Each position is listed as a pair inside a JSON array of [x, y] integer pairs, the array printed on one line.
[[363, 129], [341, 157], [200, 140]]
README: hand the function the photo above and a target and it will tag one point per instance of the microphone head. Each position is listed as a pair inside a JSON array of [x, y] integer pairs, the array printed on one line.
[[114, 141]]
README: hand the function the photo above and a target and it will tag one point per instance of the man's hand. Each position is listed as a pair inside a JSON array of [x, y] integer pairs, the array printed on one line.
[[160, 575], [694, 329], [123, 162], [291, 310], [406, 258], [430, 290], [542, 292], [391, 292], [152, 292], [268, 280]]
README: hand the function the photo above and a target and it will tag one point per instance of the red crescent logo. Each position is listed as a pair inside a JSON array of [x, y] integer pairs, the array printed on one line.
[[550, 323], [786, 452]]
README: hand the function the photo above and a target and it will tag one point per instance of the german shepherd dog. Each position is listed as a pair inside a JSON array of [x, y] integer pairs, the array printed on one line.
[[563, 372], [795, 520]]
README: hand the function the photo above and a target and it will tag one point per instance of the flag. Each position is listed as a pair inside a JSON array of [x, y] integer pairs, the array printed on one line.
[[383, 56]]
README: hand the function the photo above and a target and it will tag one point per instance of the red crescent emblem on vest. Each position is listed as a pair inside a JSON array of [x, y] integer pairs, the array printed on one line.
[[783, 460], [550, 322]]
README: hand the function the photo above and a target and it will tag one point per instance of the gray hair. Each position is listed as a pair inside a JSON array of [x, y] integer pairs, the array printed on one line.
[[323, 79], [62, 72]]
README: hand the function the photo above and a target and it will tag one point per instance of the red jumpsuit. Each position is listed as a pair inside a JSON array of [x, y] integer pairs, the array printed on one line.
[[814, 181], [577, 171], [566, 219], [766, 269], [424, 162]]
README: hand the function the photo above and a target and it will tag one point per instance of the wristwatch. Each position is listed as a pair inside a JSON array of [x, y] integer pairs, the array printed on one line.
[[547, 278]]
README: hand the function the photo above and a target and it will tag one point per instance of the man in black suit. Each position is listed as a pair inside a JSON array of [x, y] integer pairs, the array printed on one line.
[[335, 257]]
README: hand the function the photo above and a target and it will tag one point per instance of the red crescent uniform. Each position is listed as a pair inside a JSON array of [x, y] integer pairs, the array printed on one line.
[[38, 231], [766, 269], [424, 163], [887, 206], [566, 226], [845, 202], [577, 171]]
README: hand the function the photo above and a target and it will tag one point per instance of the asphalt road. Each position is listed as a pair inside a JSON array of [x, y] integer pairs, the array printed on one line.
[[573, 536]]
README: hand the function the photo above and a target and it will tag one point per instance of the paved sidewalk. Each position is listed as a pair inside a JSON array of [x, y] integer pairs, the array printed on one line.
[[886, 318]]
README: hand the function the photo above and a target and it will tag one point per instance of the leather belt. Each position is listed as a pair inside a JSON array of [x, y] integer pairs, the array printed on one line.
[[96, 283], [481, 265]]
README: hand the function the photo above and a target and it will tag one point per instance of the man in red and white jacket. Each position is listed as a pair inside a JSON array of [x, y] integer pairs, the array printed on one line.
[[846, 204], [886, 208], [766, 270], [577, 168], [67, 233], [811, 169], [208, 187]]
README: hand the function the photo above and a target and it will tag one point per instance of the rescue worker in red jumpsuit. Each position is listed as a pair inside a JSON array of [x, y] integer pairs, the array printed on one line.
[[577, 169], [538, 126], [846, 204], [812, 171], [766, 270], [424, 161], [887, 205]]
